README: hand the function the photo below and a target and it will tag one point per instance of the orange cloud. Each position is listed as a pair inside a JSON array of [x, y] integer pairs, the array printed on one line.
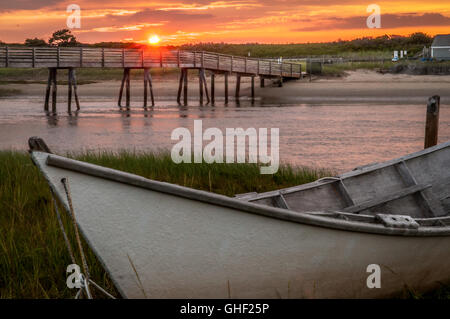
[[212, 5], [178, 21]]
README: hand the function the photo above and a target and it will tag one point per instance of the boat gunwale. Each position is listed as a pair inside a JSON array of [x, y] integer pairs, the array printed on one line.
[[229, 202]]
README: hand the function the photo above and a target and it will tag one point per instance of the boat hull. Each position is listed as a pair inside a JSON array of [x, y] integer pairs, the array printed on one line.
[[158, 245]]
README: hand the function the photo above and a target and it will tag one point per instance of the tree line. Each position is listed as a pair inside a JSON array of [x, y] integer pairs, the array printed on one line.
[[413, 43]]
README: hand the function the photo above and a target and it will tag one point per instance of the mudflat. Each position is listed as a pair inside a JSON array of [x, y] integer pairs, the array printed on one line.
[[360, 86]]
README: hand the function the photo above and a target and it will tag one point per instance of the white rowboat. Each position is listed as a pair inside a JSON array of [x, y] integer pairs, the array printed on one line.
[[310, 241]]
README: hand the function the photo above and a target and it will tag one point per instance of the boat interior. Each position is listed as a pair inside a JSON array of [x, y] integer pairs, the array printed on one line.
[[411, 189]]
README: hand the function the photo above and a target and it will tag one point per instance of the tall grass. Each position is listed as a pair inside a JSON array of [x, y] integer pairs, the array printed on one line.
[[339, 69], [226, 179], [290, 50], [33, 256]]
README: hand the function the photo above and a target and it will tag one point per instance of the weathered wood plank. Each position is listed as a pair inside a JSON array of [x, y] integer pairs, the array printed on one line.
[[428, 205], [280, 201], [384, 199]]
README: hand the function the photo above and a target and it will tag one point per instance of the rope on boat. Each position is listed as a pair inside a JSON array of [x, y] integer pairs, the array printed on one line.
[[101, 289], [77, 296], [65, 182], [84, 281], [61, 225]]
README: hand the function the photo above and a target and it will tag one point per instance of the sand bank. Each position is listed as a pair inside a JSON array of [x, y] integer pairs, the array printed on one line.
[[358, 87]]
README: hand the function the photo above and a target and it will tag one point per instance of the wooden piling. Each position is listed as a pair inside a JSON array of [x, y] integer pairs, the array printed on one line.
[[205, 83], [54, 88], [69, 91], [185, 87], [200, 83], [124, 78], [145, 87], [280, 83], [253, 88], [261, 79], [310, 69], [47, 91], [432, 121], [226, 88], [6, 57], [33, 64], [213, 89], [127, 93], [180, 85], [150, 84], [238, 85], [75, 89]]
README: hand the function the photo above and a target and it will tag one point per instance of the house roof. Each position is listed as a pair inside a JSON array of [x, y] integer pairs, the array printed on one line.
[[441, 40]]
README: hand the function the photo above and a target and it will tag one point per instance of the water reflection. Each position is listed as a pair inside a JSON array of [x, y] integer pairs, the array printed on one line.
[[72, 119], [52, 118], [335, 136]]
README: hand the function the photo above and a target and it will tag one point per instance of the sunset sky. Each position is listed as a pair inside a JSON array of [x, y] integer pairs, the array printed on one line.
[[235, 21]]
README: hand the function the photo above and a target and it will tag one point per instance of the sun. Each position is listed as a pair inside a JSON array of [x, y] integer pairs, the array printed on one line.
[[154, 39]]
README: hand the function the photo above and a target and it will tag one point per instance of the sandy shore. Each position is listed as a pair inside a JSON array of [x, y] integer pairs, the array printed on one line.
[[358, 87], [362, 87]]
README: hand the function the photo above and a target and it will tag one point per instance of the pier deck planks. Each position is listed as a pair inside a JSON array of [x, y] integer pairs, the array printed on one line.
[[75, 57]]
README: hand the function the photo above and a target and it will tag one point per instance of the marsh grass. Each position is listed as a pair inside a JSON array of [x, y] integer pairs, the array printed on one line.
[[33, 256], [221, 178], [292, 50], [339, 69]]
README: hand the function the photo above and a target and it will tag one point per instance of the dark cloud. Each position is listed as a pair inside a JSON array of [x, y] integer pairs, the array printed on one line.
[[27, 4], [147, 15], [388, 21], [172, 20], [169, 15]]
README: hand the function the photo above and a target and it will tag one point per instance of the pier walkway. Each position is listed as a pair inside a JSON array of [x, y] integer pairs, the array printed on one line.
[[70, 58]]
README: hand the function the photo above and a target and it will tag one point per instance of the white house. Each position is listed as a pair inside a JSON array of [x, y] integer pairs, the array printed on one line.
[[440, 48]]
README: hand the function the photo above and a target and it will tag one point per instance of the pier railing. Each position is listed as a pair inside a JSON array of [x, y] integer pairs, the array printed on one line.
[[81, 57]]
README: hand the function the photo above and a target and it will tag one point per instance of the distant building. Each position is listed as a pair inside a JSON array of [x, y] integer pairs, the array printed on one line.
[[440, 48]]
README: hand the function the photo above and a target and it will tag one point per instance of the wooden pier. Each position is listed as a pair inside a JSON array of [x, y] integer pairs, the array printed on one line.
[[70, 58]]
